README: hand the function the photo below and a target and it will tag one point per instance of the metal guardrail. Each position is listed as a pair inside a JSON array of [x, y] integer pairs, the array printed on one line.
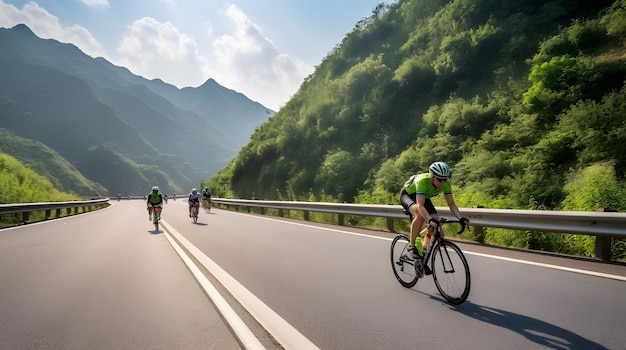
[[49, 207], [603, 225]]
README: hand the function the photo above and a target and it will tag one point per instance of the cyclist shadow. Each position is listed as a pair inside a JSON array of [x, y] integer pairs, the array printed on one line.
[[200, 223], [537, 331], [155, 232]]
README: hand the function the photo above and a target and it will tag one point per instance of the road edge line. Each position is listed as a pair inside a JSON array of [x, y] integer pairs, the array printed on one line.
[[281, 330], [242, 332]]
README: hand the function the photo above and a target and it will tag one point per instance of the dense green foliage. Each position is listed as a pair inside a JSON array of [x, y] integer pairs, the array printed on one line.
[[19, 184], [524, 99], [49, 164]]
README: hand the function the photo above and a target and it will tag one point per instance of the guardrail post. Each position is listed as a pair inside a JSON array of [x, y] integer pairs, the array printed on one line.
[[340, 217], [603, 244], [390, 225], [58, 213], [306, 215], [280, 212], [25, 216], [47, 214]]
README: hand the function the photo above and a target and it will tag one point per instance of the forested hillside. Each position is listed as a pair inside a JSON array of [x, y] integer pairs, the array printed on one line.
[[47, 163], [524, 99]]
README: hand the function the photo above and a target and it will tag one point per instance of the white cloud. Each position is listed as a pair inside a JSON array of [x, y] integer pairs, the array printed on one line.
[[158, 50], [244, 59], [96, 3], [47, 26], [249, 62]]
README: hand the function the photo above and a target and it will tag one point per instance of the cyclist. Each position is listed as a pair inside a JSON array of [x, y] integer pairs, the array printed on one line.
[[415, 199], [206, 195], [194, 200], [155, 199]]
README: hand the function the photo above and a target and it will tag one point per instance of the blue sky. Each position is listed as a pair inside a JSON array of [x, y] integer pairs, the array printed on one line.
[[261, 48]]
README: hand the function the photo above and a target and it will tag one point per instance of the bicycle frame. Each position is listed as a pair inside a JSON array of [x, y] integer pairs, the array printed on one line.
[[436, 238], [442, 259], [195, 208]]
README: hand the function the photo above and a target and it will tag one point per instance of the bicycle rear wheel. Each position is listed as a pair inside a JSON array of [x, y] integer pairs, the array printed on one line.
[[194, 214], [451, 272], [403, 266], [155, 219]]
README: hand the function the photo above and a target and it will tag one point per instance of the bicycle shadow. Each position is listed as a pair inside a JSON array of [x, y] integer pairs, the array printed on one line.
[[200, 223], [154, 232], [537, 331]]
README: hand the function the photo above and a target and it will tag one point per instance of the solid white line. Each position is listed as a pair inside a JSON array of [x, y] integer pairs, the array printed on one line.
[[283, 332], [555, 267], [242, 332]]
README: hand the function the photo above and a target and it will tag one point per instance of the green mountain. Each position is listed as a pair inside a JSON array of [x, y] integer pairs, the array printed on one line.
[[524, 99], [47, 163], [118, 129], [20, 184]]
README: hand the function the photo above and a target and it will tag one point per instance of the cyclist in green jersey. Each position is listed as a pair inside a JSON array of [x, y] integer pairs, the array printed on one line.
[[155, 199], [415, 199]]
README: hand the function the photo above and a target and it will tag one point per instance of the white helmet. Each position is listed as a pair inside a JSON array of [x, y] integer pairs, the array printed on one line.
[[155, 189], [439, 169]]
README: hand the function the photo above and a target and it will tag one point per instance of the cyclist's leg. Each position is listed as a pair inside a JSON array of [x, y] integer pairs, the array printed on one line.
[[433, 212], [408, 203]]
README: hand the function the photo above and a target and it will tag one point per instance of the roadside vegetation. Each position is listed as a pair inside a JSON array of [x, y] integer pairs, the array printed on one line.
[[525, 100]]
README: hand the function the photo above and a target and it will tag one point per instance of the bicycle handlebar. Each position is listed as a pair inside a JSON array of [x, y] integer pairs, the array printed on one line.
[[446, 221]]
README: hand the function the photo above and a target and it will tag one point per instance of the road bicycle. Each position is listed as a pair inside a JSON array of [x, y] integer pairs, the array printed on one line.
[[206, 205], [156, 216], [442, 258], [194, 212]]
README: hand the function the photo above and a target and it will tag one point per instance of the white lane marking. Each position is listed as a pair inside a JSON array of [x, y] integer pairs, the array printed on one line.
[[243, 333], [283, 332], [555, 267]]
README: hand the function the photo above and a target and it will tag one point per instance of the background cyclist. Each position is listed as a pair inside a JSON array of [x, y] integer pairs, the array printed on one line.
[[194, 200], [155, 199], [206, 195], [415, 199]]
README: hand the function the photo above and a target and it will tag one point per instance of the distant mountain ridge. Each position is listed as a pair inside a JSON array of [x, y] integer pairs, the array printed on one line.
[[100, 116]]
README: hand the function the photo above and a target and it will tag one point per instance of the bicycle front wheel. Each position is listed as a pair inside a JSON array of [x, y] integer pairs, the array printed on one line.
[[403, 266], [155, 219], [451, 272]]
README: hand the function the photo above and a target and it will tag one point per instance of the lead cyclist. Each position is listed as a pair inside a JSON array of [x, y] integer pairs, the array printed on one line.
[[415, 199]]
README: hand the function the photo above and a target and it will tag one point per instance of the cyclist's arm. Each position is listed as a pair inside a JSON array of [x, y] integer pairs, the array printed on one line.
[[453, 208]]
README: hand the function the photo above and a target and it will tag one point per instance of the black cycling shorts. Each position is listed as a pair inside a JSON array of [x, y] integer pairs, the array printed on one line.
[[407, 200]]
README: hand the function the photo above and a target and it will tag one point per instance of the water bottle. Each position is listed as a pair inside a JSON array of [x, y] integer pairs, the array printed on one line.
[[418, 245]]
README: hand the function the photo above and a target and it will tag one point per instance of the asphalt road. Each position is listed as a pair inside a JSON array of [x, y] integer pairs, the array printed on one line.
[[107, 280]]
